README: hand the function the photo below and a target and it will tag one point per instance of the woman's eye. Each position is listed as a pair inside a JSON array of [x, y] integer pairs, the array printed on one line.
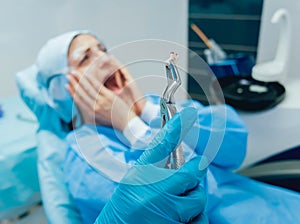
[[85, 58]]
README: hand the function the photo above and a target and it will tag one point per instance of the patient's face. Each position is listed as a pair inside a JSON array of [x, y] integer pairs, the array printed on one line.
[[83, 50], [87, 55]]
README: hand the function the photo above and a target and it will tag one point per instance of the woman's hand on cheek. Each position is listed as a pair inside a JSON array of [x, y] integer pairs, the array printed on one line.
[[131, 92], [113, 109], [125, 86], [98, 104]]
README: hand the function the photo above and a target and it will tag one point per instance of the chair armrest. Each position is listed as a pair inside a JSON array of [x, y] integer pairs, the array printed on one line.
[[285, 173]]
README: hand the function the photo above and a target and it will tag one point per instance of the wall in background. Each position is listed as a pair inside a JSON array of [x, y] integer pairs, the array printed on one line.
[[26, 25]]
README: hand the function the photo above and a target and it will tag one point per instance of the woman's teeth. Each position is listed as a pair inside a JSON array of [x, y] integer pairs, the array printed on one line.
[[118, 80]]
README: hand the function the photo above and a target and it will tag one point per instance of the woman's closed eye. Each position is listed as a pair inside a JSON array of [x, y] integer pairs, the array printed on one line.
[[85, 58]]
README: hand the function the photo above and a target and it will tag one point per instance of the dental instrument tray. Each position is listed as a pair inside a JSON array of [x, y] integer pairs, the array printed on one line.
[[246, 93]]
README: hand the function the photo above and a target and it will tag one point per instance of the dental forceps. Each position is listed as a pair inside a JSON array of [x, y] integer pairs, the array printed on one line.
[[168, 109]]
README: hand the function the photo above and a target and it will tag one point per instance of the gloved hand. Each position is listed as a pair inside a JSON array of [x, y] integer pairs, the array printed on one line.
[[151, 194]]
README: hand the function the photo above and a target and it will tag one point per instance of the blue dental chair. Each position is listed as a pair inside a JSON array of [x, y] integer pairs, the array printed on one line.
[[57, 201]]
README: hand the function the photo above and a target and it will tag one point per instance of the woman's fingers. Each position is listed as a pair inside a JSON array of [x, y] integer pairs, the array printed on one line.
[[78, 92], [78, 89], [89, 85], [72, 85], [70, 89], [105, 92], [78, 101], [126, 74]]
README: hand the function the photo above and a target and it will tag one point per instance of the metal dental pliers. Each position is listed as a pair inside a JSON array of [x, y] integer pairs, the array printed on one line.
[[168, 109]]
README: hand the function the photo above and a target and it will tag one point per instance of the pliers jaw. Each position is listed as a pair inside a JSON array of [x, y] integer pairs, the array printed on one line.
[[173, 78], [168, 108]]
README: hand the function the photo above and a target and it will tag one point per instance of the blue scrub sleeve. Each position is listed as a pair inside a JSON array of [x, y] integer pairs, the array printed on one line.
[[219, 134]]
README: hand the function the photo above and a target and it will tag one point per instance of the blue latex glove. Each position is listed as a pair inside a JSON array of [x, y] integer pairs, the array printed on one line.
[[151, 194]]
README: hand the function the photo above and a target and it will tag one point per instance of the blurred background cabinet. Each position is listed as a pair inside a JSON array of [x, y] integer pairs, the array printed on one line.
[[234, 25]]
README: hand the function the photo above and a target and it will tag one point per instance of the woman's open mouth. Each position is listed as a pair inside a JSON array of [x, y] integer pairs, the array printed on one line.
[[114, 82]]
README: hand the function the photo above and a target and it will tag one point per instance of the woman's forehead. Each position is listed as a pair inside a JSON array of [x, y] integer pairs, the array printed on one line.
[[82, 42]]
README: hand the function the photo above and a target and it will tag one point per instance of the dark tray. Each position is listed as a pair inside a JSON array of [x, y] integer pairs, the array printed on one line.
[[246, 93]]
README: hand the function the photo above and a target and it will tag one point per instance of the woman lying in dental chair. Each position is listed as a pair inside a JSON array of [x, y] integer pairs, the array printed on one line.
[[111, 120]]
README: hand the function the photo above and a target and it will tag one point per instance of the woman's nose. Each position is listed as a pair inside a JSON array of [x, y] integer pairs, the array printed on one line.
[[99, 53], [103, 59]]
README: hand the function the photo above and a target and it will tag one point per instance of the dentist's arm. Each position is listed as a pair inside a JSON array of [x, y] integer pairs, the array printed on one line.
[[219, 134]]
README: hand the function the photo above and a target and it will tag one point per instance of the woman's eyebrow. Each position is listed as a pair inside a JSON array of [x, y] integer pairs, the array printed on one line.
[[79, 52], [79, 56]]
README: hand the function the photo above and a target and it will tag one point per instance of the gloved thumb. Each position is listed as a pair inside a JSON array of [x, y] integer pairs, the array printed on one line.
[[169, 137], [194, 170]]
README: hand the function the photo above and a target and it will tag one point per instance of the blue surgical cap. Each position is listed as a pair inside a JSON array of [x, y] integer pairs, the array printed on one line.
[[52, 66]]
